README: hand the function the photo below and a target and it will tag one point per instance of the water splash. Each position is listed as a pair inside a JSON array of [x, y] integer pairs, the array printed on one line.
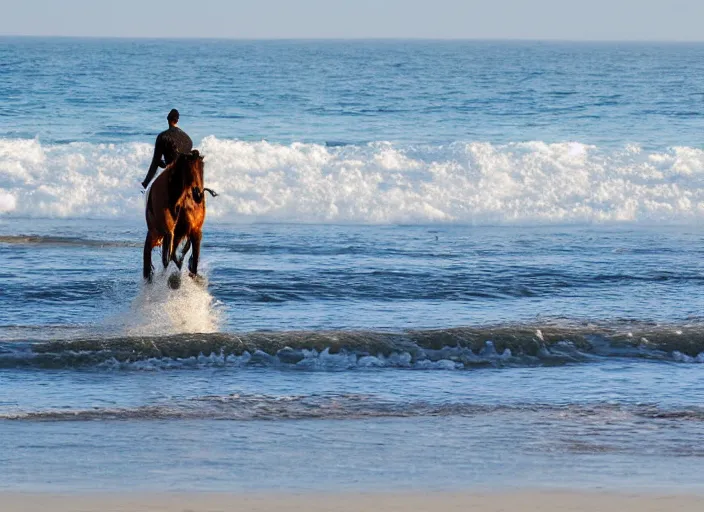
[[159, 309]]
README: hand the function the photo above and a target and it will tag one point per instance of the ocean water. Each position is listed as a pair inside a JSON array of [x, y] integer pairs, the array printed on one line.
[[432, 265]]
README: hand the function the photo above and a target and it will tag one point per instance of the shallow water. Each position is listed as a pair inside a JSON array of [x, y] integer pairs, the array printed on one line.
[[572, 427], [78, 273], [372, 356]]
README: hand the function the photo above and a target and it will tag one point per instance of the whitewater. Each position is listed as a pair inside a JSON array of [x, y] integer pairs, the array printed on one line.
[[475, 183]]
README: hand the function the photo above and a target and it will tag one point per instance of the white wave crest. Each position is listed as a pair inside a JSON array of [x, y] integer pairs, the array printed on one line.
[[467, 183]]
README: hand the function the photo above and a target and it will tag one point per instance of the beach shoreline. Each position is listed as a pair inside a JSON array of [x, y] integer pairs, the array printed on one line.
[[485, 501]]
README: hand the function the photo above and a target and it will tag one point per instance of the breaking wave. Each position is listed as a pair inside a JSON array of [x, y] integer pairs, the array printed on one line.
[[468, 183], [443, 349]]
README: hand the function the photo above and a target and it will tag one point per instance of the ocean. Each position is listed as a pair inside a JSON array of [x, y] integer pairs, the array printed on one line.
[[431, 265]]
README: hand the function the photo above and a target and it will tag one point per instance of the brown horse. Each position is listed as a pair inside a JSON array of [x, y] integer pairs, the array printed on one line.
[[176, 211]]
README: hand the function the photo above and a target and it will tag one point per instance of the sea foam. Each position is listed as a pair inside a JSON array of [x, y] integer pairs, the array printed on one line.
[[463, 183]]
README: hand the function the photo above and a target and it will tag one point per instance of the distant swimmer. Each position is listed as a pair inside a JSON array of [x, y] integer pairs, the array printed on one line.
[[168, 145]]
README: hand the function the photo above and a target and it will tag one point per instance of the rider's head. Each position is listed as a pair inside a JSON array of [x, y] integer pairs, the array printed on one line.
[[172, 118]]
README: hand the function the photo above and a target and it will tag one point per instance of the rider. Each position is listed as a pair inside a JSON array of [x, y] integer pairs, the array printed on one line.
[[168, 145]]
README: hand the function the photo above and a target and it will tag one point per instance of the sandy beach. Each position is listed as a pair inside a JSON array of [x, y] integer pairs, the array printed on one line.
[[525, 501]]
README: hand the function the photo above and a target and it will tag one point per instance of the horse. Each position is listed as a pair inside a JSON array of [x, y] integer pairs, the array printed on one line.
[[176, 211]]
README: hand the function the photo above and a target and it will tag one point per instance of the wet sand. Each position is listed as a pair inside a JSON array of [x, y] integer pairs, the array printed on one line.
[[524, 501]]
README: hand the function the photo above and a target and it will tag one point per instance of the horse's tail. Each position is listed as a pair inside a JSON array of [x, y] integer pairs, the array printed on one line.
[[211, 191]]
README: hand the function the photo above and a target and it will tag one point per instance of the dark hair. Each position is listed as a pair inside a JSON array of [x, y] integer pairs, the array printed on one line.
[[173, 116]]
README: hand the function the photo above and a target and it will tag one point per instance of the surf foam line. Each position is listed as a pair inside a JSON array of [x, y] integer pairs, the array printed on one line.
[[465, 183], [444, 349], [64, 241], [243, 407]]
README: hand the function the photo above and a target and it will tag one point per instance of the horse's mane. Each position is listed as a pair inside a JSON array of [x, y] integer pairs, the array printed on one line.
[[182, 175]]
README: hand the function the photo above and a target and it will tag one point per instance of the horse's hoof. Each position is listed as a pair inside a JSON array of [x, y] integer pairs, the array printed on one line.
[[174, 281]]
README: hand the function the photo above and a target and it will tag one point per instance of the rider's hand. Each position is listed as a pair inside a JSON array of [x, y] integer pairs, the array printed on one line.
[[162, 164], [144, 184]]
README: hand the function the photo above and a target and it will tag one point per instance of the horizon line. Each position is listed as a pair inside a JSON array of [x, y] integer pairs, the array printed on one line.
[[357, 39]]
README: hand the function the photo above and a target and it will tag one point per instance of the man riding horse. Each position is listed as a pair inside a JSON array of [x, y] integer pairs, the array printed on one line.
[[175, 209]]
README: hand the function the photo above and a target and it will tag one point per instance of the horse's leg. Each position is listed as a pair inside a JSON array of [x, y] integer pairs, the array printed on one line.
[[167, 248], [148, 268], [174, 253], [195, 255], [179, 260]]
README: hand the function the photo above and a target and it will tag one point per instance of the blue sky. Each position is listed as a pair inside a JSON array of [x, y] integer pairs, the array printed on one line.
[[674, 20]]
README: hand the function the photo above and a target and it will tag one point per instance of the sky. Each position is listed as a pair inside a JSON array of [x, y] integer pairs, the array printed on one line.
[[611, 20]]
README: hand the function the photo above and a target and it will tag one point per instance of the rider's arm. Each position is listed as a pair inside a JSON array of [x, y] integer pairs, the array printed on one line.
[[156, 162]]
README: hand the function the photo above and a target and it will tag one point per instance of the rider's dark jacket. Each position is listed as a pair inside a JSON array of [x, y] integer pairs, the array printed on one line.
[[168, 145]]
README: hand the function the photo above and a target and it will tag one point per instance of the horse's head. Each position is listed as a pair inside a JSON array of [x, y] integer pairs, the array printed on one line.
[[187, 176], [195, 164]]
